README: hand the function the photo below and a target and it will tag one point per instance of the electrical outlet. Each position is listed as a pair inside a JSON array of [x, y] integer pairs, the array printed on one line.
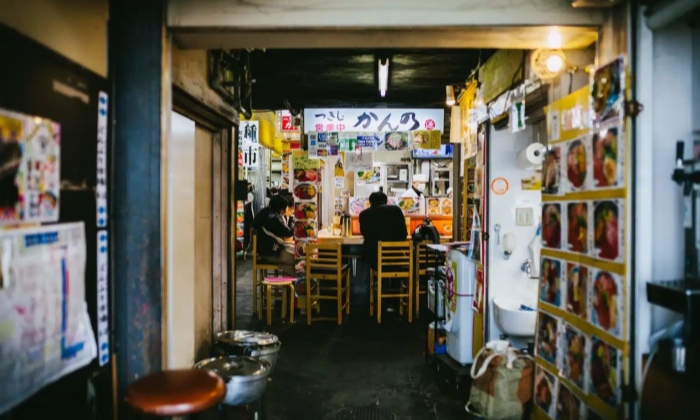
[[524, 216]]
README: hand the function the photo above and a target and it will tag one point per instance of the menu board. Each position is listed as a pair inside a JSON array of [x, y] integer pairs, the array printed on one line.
[[581, 332], [306, 186]]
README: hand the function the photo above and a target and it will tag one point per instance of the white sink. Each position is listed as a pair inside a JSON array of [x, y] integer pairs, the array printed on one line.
[[512, 320]]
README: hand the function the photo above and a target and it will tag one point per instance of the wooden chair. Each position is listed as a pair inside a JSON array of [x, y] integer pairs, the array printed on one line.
[[325, 265], [259, 272], [424, 260], [176, 393], [395, 261]]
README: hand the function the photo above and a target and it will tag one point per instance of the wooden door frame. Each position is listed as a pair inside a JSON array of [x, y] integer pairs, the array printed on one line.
[[222, 129]]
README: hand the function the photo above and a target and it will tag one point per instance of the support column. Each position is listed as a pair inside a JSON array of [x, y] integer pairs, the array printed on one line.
[[136, 44]]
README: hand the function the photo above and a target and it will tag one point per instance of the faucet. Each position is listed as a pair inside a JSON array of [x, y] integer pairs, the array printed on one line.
[[527, 268]]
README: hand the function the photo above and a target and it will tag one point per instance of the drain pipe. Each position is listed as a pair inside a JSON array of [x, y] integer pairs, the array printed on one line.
[[670, 11]]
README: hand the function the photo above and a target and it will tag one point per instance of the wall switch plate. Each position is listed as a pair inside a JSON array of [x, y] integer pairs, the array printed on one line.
[[524, 216]]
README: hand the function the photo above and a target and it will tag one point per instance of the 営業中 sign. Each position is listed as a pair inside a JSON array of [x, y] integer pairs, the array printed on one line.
[[373, 120]]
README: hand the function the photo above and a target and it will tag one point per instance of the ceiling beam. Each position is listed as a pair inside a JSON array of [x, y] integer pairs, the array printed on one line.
[[404, 14], [515, 37]]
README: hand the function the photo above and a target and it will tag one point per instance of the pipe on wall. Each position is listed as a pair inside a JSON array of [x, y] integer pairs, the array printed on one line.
[[670, 11]]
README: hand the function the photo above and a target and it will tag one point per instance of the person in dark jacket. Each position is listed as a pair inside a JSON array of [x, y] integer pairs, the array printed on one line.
[[273, 231], [380, 222]]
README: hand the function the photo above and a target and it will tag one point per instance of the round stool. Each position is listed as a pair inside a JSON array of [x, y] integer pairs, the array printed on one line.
[[285, 282], [176, 393]]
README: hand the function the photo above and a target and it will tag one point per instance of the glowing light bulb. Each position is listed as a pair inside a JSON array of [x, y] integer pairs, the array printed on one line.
[[554, 63], [554, 38]]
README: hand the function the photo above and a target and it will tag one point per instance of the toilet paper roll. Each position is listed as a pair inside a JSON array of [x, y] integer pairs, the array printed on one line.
[[532, 156]]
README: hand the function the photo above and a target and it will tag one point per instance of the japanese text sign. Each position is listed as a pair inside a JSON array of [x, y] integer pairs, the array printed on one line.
[[300, 160], [248, 132], [373, 120], [359, 161]]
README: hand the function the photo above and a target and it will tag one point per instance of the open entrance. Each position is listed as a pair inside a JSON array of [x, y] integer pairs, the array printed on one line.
[[473, 140]]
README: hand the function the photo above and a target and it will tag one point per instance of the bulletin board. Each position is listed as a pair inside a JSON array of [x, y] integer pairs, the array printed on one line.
[[582, 341], [72, 104]]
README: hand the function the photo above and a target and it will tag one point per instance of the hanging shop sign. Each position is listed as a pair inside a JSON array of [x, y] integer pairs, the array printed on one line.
[[249, 132], [287, 122], [373, 120], [251, 155]]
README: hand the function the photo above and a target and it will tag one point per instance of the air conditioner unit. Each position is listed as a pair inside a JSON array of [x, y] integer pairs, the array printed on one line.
[[597, 4]]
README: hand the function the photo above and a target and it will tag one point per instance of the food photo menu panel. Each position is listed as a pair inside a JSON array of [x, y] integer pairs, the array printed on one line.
[[581, 332]]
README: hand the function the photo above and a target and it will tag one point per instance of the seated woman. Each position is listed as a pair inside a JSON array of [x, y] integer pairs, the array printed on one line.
[[273, 229]]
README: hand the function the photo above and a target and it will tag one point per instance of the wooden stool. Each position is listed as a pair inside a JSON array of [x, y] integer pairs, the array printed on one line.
[[285, 282], [176, 393]]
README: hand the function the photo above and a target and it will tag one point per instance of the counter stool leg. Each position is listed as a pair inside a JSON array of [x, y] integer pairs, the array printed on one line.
[[291, 304], [379, 298], [255, 292], [347, 293], [284, 302], [371, 293], [268, 293]]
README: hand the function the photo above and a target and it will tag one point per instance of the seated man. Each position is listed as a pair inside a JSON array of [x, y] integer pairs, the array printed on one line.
[[380, 222], [273, 231]]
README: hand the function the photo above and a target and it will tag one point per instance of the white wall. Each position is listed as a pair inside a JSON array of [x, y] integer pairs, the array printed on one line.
[[181, 239], [668, 85], [76, 29], [505, 276]]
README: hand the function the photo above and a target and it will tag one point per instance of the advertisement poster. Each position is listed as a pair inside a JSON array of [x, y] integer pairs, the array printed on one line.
[[44, 324], [30, 177]]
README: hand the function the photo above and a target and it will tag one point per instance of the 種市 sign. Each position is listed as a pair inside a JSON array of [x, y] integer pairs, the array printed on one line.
[[373, 120]]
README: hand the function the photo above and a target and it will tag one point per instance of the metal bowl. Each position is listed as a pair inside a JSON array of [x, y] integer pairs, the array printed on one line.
[[245, 377], [258, 344]]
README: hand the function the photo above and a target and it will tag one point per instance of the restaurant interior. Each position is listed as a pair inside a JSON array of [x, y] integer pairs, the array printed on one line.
[[502, 243]]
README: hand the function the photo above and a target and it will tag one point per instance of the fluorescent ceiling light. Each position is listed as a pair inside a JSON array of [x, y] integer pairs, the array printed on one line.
[[383, 76], [450, 95]]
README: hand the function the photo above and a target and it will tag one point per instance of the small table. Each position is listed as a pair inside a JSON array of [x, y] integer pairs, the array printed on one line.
[[285, 282]]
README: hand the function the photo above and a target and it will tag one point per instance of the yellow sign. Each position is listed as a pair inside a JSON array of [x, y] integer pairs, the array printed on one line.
[[568, 118], [300, 160]]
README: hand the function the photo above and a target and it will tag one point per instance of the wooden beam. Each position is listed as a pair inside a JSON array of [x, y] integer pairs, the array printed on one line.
[[513, 37]]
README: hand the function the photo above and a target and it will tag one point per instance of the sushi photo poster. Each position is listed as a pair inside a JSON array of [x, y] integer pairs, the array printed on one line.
[[582, 339]]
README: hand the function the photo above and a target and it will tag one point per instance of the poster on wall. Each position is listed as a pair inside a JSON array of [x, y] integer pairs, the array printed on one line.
[[608, 158], [578, 154], [551, 171], [30, 150], [43, 313], [101, 188], [608, 92], [584, 230], [545, 391], [305, 188]]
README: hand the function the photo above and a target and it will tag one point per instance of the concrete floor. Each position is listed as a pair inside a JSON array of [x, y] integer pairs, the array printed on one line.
[[325, 368]]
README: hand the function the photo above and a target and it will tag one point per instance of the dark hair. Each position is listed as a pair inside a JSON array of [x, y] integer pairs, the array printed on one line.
[[377, 198], [287, 196], [278, 203]]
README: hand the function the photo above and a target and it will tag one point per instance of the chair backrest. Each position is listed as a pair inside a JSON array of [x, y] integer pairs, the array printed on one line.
[[393, 256], [255, 245], [425, 257], [326, 257]]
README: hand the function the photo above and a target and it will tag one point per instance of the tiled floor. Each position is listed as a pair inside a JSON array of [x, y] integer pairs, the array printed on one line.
[[325, 368]]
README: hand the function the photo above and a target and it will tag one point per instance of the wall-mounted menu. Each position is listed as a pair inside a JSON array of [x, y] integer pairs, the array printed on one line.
[[582, 335]]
